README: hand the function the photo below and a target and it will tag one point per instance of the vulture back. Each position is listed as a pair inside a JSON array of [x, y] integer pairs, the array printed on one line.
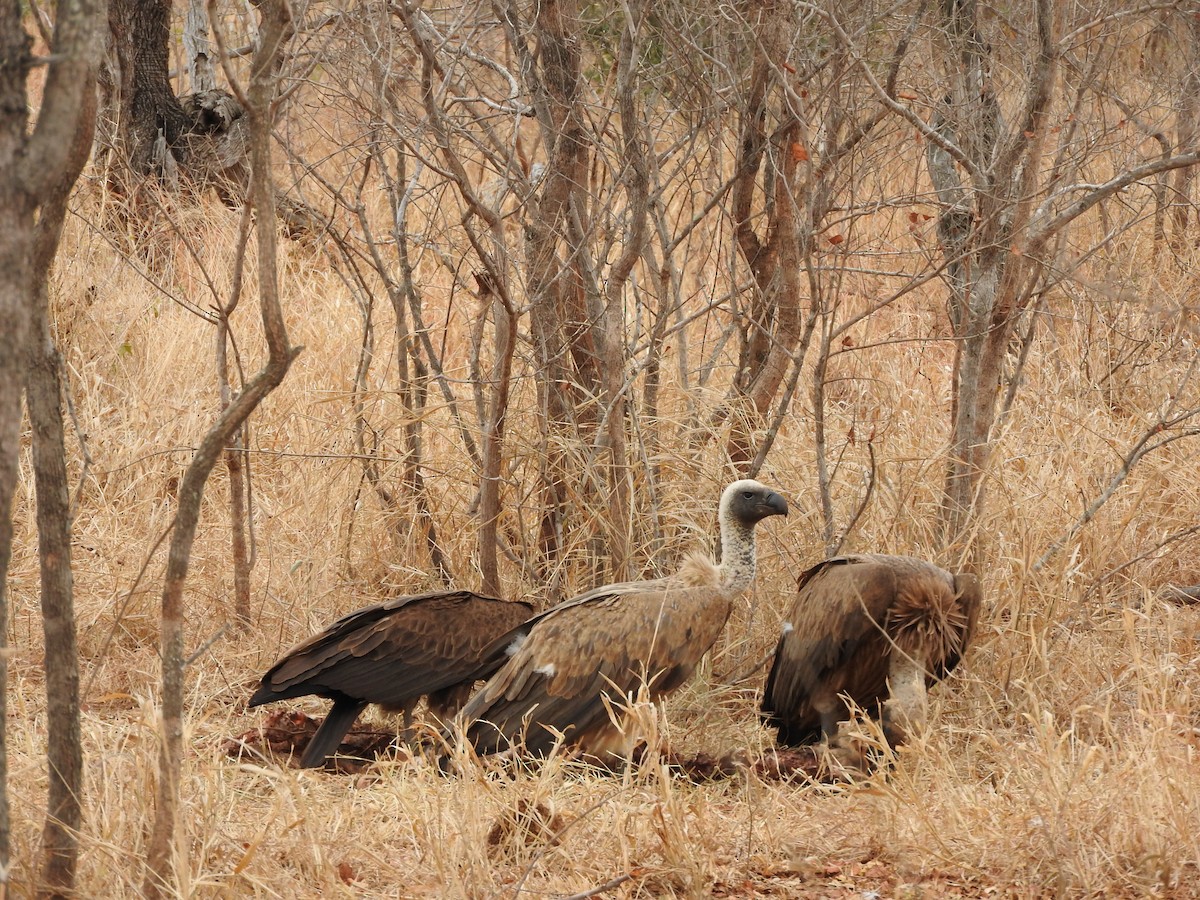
[[395, 652], [592, 645], [850, 617]]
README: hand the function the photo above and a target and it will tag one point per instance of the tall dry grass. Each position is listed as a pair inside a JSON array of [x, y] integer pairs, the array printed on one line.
[[1061, 760]]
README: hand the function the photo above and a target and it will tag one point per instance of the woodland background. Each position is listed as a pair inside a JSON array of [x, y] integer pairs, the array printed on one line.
[[559, 271]]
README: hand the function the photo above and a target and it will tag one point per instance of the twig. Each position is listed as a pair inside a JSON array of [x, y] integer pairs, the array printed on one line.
[[861, 506], [108, 638], [1169, 539], [1140, 449], [600, 889], [203, 648]]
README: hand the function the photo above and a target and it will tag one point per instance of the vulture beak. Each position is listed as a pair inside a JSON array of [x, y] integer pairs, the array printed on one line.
[[775, 505]]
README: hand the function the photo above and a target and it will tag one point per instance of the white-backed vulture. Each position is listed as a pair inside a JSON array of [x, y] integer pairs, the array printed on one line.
[[877, 629], [392, 653], [610, 641]]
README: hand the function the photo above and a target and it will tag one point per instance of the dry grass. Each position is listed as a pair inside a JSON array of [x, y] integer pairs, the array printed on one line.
[[1061, 760]]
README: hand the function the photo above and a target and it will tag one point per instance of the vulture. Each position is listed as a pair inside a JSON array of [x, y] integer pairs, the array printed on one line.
[[392, 653], [876, 629], [559, 666]]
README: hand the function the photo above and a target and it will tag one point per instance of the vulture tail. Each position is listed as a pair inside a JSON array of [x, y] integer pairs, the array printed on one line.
[[329, 736]]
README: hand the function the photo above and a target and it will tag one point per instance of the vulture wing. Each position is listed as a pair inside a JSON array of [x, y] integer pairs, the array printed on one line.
[[608, 641], [832, 644], [393, 653]]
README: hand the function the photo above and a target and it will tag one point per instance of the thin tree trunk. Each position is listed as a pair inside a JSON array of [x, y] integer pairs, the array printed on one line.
[[16, 241], [566, 356], [44, 391], [493, 435], [414, 381], [275, 30], [64, 753], [239, 525], [774, 327], [1188, 130], [36, 174]]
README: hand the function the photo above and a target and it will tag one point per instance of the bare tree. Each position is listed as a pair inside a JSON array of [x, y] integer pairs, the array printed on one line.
[[276, 29], [1004, 221], [36, 174]]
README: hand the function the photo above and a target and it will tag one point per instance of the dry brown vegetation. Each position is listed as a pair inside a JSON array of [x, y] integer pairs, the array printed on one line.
[[1060, 761]]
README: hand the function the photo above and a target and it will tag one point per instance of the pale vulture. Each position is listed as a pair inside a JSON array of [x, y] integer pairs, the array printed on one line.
[[393, 653], [877, 629], [562, 664]]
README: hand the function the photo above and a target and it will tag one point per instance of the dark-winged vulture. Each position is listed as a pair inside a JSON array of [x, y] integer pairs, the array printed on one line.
[[610, 641], [393, 653], [877, 629]]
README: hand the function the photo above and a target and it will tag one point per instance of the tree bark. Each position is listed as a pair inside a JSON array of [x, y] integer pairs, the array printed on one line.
[[568, 365], [16, 241], [142, 105], [981, 226], [489, 482], [1187, 129]]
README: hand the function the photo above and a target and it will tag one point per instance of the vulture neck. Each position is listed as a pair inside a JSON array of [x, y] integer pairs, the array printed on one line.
[[738, 555]]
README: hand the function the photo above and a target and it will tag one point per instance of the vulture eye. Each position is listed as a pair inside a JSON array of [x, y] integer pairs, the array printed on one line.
[[749, 495]]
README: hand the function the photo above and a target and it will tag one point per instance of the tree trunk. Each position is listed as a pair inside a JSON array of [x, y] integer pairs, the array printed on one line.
[[1187, 129], [44, 390], [64, 753], [275, 30], [16, 245], [142, 108], [489, 481], [36, 174], [568, 365]]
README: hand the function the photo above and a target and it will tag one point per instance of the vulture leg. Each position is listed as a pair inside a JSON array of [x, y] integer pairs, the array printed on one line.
[[329, 736], [829, 707], [406, 735], [905, 710]]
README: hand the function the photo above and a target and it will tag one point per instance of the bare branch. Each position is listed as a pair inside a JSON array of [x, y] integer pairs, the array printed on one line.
[[1046, 228]]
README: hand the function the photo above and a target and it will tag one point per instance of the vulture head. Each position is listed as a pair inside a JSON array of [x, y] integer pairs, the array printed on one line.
[[744, 504], [563, 670]]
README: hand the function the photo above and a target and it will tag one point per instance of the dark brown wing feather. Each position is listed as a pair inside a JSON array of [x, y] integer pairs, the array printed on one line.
[[848, 615], [599, 643], [395, 652]]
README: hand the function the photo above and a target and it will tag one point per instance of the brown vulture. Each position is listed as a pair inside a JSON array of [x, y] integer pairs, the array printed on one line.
[[876, 629], [559, 666], [393, 653]]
